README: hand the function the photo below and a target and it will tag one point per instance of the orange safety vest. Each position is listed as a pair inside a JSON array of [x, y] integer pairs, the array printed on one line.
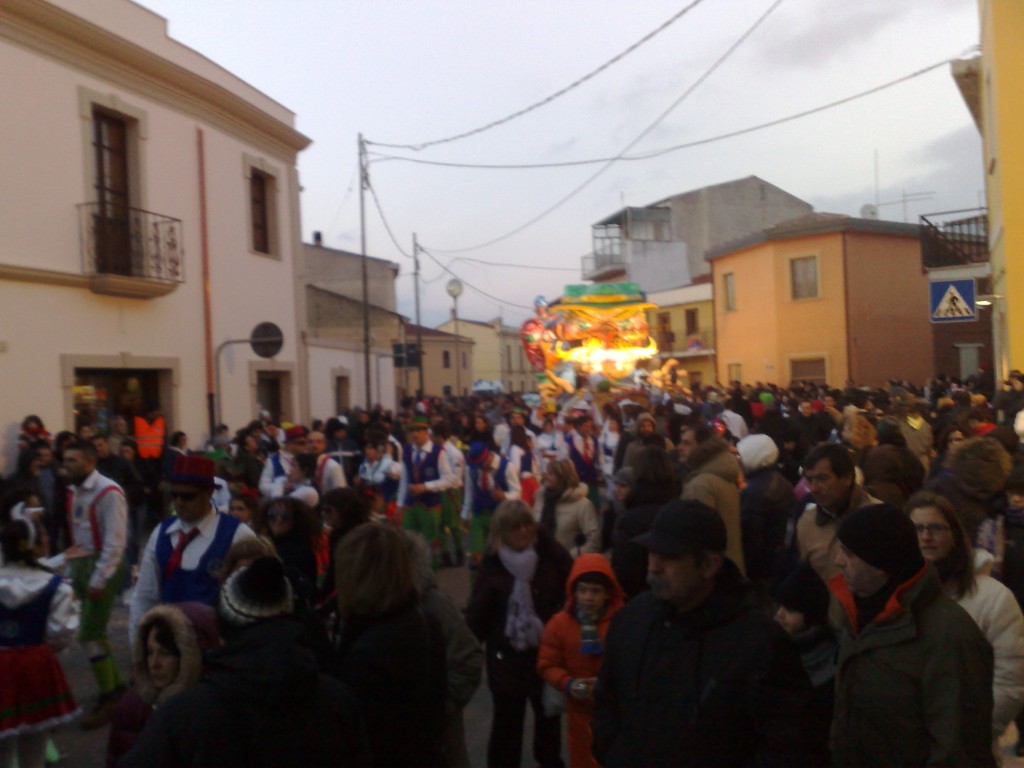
[[150, 437]]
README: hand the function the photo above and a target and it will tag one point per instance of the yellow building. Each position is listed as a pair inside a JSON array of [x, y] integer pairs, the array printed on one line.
[[497, 353], [447, 361], [991, 88], [683, 326], [825, 298]]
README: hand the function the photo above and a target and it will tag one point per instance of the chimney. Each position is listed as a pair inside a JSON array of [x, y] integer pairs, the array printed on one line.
[[318, 238]]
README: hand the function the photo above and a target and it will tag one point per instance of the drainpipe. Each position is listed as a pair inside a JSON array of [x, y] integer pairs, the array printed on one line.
[[207, 291]]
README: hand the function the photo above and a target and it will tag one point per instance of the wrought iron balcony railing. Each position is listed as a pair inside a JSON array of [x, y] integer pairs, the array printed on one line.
[[130, 242], [954, 238]]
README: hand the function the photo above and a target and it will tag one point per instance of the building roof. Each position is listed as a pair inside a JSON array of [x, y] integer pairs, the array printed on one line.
[[350, 300], [816, 224], [394, 265], [485, 324], [665, 201], [411, 329]]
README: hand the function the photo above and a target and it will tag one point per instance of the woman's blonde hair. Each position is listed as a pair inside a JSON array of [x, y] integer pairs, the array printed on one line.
[[511, 515], [565, 472], [373, 572]]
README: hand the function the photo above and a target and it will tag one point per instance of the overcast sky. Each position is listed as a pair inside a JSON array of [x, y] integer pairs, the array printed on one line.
[[420, 70]]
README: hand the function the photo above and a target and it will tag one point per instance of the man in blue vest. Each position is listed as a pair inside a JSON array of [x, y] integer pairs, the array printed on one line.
[[184, 553], [490, 479], [280, 464], [426, 474]]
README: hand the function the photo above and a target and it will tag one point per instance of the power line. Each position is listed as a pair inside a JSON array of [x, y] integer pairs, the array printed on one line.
[[552, 208], [387, 227], [513, 266], [348, 194], [470, 285], [552, 97], [676, 147]]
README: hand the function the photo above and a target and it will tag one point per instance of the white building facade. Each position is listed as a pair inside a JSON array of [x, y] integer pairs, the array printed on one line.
[[150, 215]]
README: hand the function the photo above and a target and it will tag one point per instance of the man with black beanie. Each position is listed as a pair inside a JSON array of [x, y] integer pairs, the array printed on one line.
[[914, 679]]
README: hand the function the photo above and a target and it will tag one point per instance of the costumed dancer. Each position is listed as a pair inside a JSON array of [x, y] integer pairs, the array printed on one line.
[[490, 479], [426, 476], [98, 521], [584, 455], [452, 547], [39, 615], [379, 478]]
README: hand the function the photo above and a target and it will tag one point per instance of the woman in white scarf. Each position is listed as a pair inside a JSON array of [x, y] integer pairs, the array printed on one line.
[[520, 586]]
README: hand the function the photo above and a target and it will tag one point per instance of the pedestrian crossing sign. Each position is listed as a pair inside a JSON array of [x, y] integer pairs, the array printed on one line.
[[952, 301]]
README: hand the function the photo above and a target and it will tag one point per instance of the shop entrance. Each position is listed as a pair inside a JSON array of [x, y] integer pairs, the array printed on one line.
[[101, 393]]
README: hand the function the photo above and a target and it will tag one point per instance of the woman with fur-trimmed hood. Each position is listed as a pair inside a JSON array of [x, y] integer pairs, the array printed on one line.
[[167, 659]]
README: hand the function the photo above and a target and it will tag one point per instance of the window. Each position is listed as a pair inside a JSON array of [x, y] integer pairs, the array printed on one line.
[[809, 369], [803, 278], [735, 372], [258, 183], [729, 290], [446, 358], [692, 325], [110, 185], [262, 191]]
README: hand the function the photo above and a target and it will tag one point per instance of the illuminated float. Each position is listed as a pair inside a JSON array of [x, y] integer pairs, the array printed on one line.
[[594, 329]]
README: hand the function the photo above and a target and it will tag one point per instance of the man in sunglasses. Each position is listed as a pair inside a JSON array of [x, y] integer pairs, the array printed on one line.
[[184, 553]]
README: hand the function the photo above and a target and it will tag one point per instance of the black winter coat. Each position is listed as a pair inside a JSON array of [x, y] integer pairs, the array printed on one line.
[[262, 702], [510, 671], [629, 559], [721, 685], [395, 666], [765, 506]]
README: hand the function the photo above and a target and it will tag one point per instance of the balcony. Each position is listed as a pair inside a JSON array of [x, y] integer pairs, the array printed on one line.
[[679, 345], [129, 252], [602, 266], [954, 238]]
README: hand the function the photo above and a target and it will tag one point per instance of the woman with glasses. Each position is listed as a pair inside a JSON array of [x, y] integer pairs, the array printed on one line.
[[964, 575]]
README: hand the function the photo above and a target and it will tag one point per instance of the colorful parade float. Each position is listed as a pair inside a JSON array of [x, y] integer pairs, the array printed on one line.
[[597, 334]]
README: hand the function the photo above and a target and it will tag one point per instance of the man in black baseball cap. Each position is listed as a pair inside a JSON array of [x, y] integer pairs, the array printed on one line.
[[695, 666]]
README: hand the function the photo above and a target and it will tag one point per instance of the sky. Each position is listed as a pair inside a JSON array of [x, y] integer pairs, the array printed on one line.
[[415, 71]]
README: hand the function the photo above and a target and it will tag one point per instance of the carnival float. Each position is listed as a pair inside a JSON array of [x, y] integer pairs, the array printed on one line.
[[598, 333]]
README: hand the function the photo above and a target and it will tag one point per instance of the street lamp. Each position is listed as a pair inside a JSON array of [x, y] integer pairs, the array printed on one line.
[[454, 289]]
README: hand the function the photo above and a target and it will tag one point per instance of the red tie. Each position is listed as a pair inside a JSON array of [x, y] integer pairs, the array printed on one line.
[[174, 561]]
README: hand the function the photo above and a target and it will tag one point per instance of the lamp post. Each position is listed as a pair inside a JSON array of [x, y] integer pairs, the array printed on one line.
[[454, 289]]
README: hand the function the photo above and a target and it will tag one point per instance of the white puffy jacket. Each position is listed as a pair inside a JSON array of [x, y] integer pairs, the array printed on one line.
[[995, 610]]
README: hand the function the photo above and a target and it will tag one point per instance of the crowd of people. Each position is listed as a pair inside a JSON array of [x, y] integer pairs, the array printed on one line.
[[723, 576]]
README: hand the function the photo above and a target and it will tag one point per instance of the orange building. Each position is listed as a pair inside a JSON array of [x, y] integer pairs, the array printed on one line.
[[824, 298]]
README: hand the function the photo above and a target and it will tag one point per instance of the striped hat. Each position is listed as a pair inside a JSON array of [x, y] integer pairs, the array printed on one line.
[[257, 592]]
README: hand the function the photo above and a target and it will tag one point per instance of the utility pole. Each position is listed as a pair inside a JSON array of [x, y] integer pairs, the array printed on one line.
[[419, 326], [364, 182]]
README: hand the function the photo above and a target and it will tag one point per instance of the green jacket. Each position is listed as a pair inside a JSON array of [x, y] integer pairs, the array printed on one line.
[[914, 687]]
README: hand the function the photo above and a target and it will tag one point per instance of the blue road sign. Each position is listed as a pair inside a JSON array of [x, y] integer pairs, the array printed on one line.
[[952, 301]]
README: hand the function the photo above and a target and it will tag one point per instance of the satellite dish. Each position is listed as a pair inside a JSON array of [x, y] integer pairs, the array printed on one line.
[[266, 339], [869, 211]]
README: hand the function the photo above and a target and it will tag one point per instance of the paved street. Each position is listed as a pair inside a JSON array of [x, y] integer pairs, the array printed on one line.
[[87, 750]]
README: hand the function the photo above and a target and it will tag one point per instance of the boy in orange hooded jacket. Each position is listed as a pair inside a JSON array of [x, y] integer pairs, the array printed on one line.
[[572, 648]]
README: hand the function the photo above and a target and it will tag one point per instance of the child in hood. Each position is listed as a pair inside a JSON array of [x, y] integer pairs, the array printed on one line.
[[572, 648]]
